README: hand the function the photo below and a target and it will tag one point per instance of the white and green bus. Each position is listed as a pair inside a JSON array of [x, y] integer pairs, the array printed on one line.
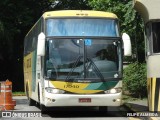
[[74, 58]]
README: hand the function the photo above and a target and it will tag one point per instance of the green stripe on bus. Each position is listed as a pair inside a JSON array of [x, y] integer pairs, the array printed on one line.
[[102, 85]]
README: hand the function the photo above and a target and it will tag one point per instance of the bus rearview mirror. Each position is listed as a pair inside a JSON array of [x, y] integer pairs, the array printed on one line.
[[41, 44], [127, 44]]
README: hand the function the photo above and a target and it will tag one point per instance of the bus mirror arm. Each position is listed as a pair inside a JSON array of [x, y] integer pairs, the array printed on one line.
[[127, 44], [41, 44]]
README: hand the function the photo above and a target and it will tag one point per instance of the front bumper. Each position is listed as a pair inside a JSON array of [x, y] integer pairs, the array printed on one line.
[[52, 100]]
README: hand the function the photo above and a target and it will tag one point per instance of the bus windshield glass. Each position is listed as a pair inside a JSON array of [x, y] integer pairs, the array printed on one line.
[[76, 59], [82, 27]]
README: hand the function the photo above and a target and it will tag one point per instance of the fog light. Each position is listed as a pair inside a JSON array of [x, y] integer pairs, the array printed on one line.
[[118, 100]]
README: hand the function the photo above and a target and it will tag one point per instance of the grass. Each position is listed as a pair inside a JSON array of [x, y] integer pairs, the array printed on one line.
[[18, 94]]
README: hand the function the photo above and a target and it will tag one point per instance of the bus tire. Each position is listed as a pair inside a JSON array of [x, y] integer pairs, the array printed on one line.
[[43, 109], [27, 92], [31, 102]]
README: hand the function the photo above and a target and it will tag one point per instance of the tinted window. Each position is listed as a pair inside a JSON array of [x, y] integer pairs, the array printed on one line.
[[156, 37], [82, 27]]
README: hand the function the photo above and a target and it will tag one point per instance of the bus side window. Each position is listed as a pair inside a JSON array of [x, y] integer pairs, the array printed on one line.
[[156, 37], [148, 37]]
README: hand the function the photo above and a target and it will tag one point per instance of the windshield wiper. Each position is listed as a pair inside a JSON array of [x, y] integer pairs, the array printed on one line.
[[74, 66], [97, 71]]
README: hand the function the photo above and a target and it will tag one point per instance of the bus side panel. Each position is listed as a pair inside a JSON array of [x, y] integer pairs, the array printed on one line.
[[30, 72], [34, 57]]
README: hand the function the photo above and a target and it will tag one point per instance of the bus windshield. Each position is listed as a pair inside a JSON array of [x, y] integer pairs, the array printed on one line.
[[79, 59], [82, 27]]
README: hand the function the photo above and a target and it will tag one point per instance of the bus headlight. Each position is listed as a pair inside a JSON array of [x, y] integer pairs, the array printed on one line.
[[54, 90], [113, 91]]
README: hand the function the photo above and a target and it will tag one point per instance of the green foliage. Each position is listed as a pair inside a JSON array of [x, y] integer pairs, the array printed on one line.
[[122, 9], [71, 5], [19, 93], [130, 22], [1, 29], [16, 19], [135, 80]]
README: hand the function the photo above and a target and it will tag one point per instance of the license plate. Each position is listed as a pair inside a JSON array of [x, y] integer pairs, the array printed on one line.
[[84, 100]]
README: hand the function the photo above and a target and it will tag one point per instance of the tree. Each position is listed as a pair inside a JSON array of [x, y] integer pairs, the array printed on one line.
[[130, 22], [17, 17], [135, 79], [71, 5]]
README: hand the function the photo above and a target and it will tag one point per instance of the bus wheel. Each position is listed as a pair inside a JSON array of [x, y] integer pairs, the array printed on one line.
[[43, 109], [27, 92], [31, 102], [103, 109]]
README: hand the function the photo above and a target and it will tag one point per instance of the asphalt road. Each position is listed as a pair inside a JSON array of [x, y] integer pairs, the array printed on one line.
[[24, 112]]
